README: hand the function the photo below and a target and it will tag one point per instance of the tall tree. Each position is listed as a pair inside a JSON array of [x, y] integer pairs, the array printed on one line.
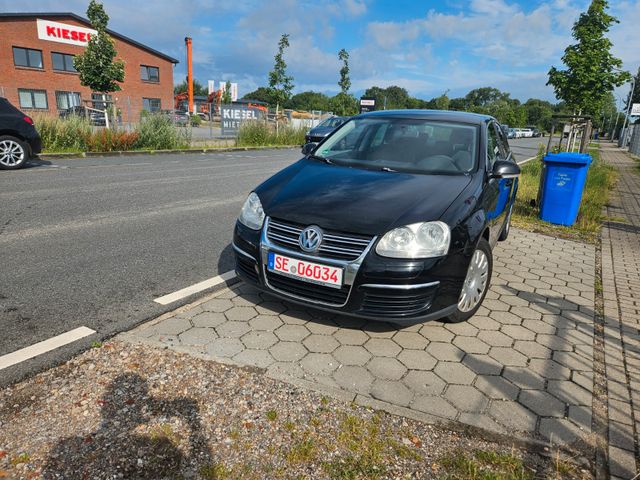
[[345, 81], [226, 93], [97, 66], [591, 68], [309, 101], [280, 83], [262, 94]]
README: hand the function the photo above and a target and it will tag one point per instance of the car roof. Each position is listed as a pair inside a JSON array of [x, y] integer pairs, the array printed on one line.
[[441, 115]]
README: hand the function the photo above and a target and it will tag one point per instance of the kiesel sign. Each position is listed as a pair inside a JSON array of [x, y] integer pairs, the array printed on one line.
[[64, 33], [232, 116]]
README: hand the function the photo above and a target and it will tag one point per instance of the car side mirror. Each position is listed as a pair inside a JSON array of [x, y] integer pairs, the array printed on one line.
[[505, 169], [308, 148]]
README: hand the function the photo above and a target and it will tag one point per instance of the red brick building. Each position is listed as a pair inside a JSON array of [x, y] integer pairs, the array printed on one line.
[[37, 74]]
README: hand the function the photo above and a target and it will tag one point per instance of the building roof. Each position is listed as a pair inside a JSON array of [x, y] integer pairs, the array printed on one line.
[[88, 23]]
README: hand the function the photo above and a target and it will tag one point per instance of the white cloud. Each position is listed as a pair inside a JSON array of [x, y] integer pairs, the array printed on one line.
[[355, 7]]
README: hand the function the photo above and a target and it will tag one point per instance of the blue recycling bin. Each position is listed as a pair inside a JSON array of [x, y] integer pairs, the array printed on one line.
[[563, 180]]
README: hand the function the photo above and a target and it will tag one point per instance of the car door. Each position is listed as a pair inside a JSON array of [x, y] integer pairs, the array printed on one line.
[[507, 186], [499, 190]]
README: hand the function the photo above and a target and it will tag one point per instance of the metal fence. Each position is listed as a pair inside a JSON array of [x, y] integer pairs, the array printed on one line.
[[634, 144]]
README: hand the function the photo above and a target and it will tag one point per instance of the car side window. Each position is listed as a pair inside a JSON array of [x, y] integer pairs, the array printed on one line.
[[493, 149]]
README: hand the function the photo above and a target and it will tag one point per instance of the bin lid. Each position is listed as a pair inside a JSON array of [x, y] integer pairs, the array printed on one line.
[[568, 157]]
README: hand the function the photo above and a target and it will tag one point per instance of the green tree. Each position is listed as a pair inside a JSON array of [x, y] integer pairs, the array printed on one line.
[[309, 101], [481, 97], [442, 102], [590, 72], [393, 96], [97, 66], [226, 93], [344, 104], [343, 98], [261, 94], [280, 83], [539, 113], [198, 88]]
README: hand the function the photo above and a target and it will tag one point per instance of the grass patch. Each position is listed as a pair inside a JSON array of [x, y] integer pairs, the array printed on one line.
[[253, 134], [484, 465], [600, 180], [272, 415]]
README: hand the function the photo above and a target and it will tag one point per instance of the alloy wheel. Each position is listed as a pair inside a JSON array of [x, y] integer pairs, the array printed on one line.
[[11, 153], [475, 283]]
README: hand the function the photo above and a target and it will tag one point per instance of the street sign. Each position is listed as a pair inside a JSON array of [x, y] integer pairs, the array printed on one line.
[[635, 110], [367, 104], [231, 116]]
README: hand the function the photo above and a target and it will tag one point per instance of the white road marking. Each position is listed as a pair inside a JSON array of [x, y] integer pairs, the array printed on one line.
[[45, 346], [195, 288]]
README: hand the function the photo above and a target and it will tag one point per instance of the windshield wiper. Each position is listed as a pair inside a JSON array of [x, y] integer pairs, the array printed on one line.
[[322, 159]]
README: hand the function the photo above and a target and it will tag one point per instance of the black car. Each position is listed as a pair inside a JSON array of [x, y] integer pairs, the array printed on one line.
[[19, 140], [324, 128], [393, 217]]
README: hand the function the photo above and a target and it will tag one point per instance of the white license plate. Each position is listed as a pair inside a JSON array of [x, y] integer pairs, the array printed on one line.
[[304, 270]]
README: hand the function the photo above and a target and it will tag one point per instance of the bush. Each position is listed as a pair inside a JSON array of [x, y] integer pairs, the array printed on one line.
[[196, 120], [157, 132], [111, 140], [261, 133], [63, 134]]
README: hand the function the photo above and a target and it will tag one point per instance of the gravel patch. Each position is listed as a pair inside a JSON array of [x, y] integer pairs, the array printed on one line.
[[137, 411]]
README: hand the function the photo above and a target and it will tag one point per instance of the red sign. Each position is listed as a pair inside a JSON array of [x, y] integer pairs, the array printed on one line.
[[64, 33]]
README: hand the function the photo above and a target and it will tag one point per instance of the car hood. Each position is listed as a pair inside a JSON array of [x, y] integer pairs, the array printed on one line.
[[357, 200], [321, 131]]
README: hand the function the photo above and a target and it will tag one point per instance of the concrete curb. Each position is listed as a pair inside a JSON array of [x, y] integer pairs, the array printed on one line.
[[123, 153]]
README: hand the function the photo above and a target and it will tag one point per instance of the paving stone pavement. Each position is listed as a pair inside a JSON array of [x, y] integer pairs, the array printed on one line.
[[523, 365], [621, 292]]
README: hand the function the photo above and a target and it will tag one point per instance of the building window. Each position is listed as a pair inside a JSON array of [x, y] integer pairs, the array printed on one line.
[[63, 62], [149, 74], [65, 100], [101, 101], [151, 104], [27, 57], [33, 99]]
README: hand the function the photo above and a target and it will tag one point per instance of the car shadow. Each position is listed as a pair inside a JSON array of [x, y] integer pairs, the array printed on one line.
[[117, 445], [37, 162]]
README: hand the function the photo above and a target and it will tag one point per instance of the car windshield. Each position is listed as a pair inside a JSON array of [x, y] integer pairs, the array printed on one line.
[[403, 145], [331, 122]]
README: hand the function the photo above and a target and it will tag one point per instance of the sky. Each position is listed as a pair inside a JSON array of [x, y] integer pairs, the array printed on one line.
[[427, 47]]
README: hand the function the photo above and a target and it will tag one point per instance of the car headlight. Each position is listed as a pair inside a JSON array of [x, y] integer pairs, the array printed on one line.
[[418, 240], [252, 214]]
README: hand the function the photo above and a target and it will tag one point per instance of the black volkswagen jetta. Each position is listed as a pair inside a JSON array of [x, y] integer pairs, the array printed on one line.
[[392, 217]]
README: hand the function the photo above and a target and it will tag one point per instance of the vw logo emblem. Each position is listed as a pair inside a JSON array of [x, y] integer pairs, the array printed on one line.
[[310, 239]]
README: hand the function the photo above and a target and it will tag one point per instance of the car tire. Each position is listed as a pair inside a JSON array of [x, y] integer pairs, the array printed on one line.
[[14, 153], [479, 272]]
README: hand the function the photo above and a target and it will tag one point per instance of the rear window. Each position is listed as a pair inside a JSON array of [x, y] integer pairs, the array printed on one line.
[[7, 107], [405, 145]]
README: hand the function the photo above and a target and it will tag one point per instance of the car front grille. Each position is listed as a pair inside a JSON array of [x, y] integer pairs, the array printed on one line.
[[335, 245], [308, 291], [389, 302]]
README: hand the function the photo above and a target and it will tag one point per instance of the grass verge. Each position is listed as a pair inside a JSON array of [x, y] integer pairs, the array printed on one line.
[[600, 180]]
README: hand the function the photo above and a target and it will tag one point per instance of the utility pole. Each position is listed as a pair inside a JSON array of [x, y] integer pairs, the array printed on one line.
[[187, 41], [626, 117]]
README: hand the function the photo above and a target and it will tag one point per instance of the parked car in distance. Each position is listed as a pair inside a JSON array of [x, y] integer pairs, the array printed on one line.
[[511, 133], [536, 133], [393, 217], [324, 128], [19, 140], [526, 132], [95, 118]]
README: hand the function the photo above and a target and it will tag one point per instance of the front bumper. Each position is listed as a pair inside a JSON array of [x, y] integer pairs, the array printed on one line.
[[376, 288]]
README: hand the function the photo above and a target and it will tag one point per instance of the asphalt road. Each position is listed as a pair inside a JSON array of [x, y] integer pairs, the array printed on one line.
[[91, 242]]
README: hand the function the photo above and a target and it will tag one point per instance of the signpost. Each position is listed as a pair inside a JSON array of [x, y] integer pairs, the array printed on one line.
[[231, 116], [367, 104], [635, 110]]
